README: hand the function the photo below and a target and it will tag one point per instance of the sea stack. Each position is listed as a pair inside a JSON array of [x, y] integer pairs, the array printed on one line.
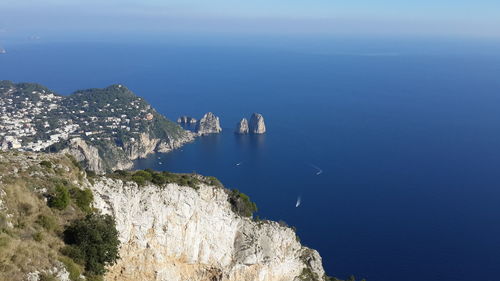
[[242, 127], [257, 125], [186, 120], [209, 124]]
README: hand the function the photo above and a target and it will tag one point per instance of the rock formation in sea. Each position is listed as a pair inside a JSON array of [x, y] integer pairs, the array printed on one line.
[[2, 51], [257, 125], [186, 120], [242, 127], [209, 124]]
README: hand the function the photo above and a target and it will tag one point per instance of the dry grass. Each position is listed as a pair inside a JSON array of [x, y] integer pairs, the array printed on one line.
[[27, 242]]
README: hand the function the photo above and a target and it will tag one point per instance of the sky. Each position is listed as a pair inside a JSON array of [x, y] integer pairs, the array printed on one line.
[[462, 18]]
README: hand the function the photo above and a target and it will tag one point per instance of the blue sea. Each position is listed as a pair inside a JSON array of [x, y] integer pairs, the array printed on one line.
[[406, 134]]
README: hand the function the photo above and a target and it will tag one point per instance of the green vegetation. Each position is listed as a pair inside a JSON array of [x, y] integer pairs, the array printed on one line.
[[60, 198], [82, 198], [141, 177], [38, 214], [351, 278], [308, 275], [241, 204], [47, 277], [48, 222], [74, 270], [46, 164], [74, 161], [108, 119], [93, 242]]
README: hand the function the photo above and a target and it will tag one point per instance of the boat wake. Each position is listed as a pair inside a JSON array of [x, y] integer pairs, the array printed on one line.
[[298, 202], [319, 171]]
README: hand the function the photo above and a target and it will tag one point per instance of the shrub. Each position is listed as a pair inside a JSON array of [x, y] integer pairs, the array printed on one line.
[[214, 181], [73, 269], [74, 253], [47, 222], [82, 198], [93, 240], [47, 277], [90, 174], [146, 174], [38, 236], [241, 204], [60, 198], [75, 162], [46, 164]]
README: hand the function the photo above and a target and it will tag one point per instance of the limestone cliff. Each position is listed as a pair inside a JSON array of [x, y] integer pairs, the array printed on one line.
[[242, 127], [257, 125], [184, 230], [179, 233], [209, 124]]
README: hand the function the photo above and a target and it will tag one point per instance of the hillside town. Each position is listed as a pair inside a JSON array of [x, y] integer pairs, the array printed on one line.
[[35, 119]]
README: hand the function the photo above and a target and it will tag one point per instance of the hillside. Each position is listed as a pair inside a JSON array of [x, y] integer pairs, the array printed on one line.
[[103, 128]]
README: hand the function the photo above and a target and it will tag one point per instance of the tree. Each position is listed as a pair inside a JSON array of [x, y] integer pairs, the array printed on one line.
[[93, 242]]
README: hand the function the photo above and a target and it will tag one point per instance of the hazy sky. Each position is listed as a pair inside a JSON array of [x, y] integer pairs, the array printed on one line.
[[478, 18]]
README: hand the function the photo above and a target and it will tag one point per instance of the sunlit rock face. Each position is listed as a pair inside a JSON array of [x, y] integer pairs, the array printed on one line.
[[209, 124], [178, 233], [242, 127], [257, 124]]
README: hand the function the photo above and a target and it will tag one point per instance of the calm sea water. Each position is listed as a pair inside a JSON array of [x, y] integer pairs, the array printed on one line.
[[407, 137]]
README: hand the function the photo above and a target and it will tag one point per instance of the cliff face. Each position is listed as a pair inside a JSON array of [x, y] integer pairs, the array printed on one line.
[[170, 232], [209, 124], [112, 157], [146, 144], [179, 233], [257, 125]]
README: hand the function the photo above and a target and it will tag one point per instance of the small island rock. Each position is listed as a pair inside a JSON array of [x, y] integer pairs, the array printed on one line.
[[257, 125], [186, 120], [242, 127], [209, 124]]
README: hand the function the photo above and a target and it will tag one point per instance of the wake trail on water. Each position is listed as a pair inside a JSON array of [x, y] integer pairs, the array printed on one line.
[[319, 171]]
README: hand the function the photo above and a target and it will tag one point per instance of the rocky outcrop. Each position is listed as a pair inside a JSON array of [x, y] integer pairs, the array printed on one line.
[[257, 125], [186, 120], [85, 153], [114, 157], [209, 124], [178, 233], [242, 127], [140, 148]]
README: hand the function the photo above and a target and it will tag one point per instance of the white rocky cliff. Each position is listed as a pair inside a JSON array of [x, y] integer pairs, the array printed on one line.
[[209, 124], [242, 127], [177, 233], [257, 124]]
